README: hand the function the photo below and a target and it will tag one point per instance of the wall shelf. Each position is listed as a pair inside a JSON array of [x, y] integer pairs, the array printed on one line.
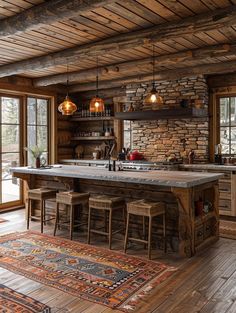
[[91, 119], [172, 113], [93, 138]]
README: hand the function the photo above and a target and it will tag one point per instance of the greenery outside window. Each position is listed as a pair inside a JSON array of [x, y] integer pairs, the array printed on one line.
[[37, 125], [227, 124]]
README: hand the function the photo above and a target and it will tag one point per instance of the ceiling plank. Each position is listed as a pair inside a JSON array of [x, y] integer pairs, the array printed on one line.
[[205, 69], [47, 13], [156, 34], [141, 64]]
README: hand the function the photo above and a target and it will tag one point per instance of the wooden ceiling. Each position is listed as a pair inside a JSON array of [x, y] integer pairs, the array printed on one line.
[[39, 38]]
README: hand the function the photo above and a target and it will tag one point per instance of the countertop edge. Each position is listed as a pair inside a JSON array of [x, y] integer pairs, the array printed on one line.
[[57, 172]]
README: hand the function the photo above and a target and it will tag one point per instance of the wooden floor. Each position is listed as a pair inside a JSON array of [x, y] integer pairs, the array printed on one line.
[[206, 283]]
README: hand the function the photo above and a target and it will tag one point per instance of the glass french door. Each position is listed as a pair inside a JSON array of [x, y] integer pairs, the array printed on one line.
[[10, 150]]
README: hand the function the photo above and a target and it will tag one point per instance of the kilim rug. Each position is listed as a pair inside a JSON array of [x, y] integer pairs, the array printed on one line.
[[15, 302], [228, 229], [95, 274]]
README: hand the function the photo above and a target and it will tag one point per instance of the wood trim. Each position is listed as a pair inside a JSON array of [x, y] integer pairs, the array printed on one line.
[[23, 90]]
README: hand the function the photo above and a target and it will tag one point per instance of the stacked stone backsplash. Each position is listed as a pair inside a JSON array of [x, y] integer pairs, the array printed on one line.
[[160, 139]]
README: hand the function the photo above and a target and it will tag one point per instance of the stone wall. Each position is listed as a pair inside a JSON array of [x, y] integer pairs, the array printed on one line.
[[160, 139]]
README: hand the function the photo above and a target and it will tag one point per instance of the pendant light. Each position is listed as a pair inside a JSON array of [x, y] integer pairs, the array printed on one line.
[[96, 104], [67, 107], [153, 96]]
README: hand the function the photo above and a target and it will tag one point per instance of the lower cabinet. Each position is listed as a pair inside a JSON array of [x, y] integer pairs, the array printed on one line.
[[227, 188], [204, 231]]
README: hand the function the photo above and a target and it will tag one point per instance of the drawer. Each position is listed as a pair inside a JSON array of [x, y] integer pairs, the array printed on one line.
[[208, 228], [224, 195], [224, 204], [224, 186], [199, 235]]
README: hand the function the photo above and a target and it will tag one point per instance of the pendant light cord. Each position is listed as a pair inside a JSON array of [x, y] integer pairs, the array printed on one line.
[[97, 79], [153, 64], [67, 79]]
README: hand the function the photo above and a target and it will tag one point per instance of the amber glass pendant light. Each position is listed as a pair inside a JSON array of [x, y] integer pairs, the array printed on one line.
[[67, 107], [96, 104], [153, 97]]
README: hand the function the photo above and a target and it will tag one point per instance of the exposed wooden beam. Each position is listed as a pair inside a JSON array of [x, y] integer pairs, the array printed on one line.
[[192, 25], [214, 68], [104, 93], [47, 13], [222, 80], [124, 68]]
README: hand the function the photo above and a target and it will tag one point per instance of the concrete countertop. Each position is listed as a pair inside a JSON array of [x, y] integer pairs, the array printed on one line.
[[181, 179], [209, 166]]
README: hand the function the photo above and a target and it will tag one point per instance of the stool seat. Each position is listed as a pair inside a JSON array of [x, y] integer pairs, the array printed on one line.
[[105, 202], [148, 209], [41, 195], [108, 204], [70, 199]]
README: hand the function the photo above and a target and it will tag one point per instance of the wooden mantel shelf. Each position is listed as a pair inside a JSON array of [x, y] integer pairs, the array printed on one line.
[[172, 113]]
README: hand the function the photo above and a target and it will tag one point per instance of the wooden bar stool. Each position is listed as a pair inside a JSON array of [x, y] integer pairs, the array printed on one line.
[[109, 204], [40, 195], [146, 209], [71, 199]]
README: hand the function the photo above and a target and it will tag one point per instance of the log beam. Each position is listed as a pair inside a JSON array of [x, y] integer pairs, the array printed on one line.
[[206, 69], [124, 68], [222, 80], [190, 26], [47, 13]]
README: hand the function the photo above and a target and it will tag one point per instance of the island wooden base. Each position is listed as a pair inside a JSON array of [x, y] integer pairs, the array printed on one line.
[[186, 233]]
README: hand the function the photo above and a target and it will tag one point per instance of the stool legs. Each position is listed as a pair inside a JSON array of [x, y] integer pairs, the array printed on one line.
[[71, 221], [149, 237], [89, 225], [126, 232], [28, 213], [110, 228], [56, 219], [41, 215], [164, 232]]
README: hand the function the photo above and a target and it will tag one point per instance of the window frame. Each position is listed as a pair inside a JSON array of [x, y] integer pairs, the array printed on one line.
[[218, 125], [22, 93], [215, 93], [49, 128]]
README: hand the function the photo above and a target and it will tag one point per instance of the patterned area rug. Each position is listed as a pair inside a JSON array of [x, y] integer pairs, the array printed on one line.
[[15, 302], [98, 275], [228, 229], [2, 220]]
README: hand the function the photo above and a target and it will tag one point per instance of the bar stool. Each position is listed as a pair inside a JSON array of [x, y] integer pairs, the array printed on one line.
[[109, 204], [41, 195], [71, 199], [146, 209]]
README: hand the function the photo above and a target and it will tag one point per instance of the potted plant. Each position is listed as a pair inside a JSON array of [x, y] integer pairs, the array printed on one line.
[[36, 153]]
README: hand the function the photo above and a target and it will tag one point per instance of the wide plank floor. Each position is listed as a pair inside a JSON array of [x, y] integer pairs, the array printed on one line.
[[205, 283]]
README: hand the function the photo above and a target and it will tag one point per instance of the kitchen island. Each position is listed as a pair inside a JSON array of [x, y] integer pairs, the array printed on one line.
[[179, 190]]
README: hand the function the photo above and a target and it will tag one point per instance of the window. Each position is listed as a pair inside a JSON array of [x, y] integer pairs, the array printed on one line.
[[37, 125], [127, 134], [227, 106], [9, 149]]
